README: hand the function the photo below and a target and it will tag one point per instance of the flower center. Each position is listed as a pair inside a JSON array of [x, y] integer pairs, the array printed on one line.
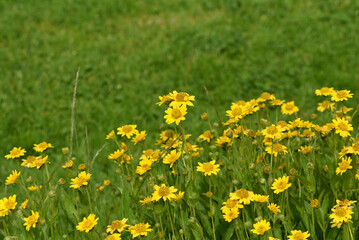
[[116, 224], [342, 126], [356, 147], [298, 236], [140, 228], [32, 220], [277, 147], [87, 223], [231, 203], [281, 185], [341, 94], [237, 111], [9, 204], [289, 107], [208, 167], [127, 129], [182, 97], [176, 113], [242, 193], [164, 191], [272, 130]]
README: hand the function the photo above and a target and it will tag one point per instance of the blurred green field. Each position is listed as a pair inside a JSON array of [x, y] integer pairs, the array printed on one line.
[[130, 52]]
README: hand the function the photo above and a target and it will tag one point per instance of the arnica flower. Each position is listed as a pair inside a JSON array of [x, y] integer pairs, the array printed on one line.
[[39, 162], [164, 193], [165, 99], [140, 137], [171, 158], [115, 236], [273, 132], [87, 224], [16, 152], [12, 178], [266, 97], [175, 114], [82, 166], [231, 214], [145, 165], [341, 95], [140, 229], [107, 182], [354, 148], [181, 98], [42, 146], [305, 149], [146, 200], [325, 105], [273, 208], [324, 91], [289, 108], [224, 142], [231, 204], [178, 196], [110, 135], [344, 165], [81, 180], [127, 130], [34, 188], [24, 204], [261, 227], [208, 168], [68, 164], [7, 204], [340, 215], [261, 198], [236, 113], [273, 238], [314, 203], [116, 155], [244, 196], [206, 136], [28, 162], [298, 235], [276, 149], [117, 225], [31, 220], [276, 102], [281, 184], [342, 127]]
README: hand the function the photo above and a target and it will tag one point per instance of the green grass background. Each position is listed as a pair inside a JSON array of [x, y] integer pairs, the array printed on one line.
[[130, 52]]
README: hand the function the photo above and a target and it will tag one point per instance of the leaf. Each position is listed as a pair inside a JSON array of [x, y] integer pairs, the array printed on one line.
[[196, 230], [229, 232]]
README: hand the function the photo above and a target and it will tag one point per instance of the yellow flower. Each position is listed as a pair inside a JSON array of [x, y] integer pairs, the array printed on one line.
[[34, 188], [261, 227], [289, 108], [175, 114], [12, 178], [344, 110], [281, 184], [305, 149], [178, 196], [116, 155], [127, 130], [273, 132], [7, 204], [342, 127], [244, 196], [28, 162], [276, 148], [117, 225], [15, 153], [354, 148], [325, 91], [266, 97], [181, 98], [87, 224], [140, 137], [231, 214], [314, 203], [140, 229], [224, 142], [39, 162], [68, 164], [206, 136], [145, 165], [164, 193], [325, 105], [273, 238], [237, 112], [171, 158], [261, 198], [110, 135], [165, 99], [82, 166], [106, 182], [273, 208], [298, 235], [31, 220], [42, 146], [231, 204], [115, 236], [81, 180], [146, 201], [344, 165], [24, 204], [341, 95], [276, 102], [208, 168]]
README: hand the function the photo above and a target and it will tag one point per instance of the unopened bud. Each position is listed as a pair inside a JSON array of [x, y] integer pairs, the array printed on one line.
[[29, 180], [128, 178], [61, 181], [209, 194], [204, 116]]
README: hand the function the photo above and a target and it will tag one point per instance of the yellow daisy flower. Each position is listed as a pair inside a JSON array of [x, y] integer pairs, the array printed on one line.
[[206, 136], [314, 203], [175, 114], [12, 178], [15, 153], [81, 180], [68, 164], [244, 196], [164, 193], [276, 102], [342, 127], [28, 162], [127, 130], [110, 135], [344, 165], [165, 99], [7, 204], [341, 95], [266, 97], [208, 168], [298, 235], [231, 214], [325, 91], [145, 165], [140, 137], [140, 229], [34, 188], [178, 196], [261, 227], [181, 98], [115, 236], [289, 108], [24, 204], [42, 146], [31, 220], [117, 225], [325, 105], [281, 184], [171, 158], [305, 149], [260, 198], [116, 155], [224, 142], [276, 148], [273, 208], [273, 132], [146, 201], [236, 113], [87, 224]]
